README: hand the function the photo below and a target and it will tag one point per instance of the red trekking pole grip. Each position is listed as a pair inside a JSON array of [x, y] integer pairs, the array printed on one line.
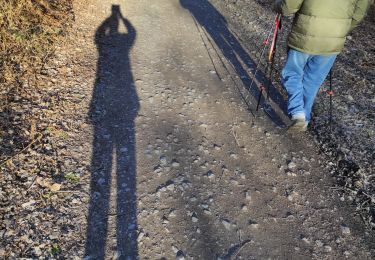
[[277, 27]]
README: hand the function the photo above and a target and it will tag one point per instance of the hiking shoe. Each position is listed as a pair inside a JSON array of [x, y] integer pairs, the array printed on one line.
[[298, 125]]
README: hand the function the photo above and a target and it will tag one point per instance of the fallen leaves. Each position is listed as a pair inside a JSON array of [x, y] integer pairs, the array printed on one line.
[[45, 183]]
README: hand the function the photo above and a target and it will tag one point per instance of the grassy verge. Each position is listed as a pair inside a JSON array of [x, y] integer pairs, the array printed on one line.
[[29, 30]]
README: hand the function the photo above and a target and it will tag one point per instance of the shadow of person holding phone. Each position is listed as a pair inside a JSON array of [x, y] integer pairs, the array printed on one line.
[[114, 107]]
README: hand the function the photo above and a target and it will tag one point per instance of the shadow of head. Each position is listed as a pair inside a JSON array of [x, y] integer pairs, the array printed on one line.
[[112, 23], [116, 8], [204, 12]]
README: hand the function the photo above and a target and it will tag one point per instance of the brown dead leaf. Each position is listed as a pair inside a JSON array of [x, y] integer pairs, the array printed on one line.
[[43, 182], [48, 184], [10, 164], [55, 187]]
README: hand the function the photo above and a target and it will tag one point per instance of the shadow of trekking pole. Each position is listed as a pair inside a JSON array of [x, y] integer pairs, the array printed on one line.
[[216, 26]]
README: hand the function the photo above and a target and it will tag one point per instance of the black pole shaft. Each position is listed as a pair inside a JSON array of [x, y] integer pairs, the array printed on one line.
[[262, 88], [271, 70], [270, 67]]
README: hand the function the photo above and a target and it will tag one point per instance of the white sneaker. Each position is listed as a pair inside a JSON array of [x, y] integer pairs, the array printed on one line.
[[298, 125]]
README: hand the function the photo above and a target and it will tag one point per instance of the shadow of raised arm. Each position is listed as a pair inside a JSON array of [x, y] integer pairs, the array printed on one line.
[[132, 34]]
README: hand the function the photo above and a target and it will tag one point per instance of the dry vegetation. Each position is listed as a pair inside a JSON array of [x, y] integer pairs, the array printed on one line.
[[29, 29]]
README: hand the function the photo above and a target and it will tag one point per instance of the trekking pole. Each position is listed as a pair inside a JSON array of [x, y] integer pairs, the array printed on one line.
[[271, 56], [330, 94], [265, 44]]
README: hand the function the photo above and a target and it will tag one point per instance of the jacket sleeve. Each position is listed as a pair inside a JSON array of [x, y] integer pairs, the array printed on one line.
[[361, 8], [289, 7]]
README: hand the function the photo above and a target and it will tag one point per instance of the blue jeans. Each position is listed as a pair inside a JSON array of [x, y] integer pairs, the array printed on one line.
[[302, 76]]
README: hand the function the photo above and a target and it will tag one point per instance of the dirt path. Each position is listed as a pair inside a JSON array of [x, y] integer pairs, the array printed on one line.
[[173, 164]]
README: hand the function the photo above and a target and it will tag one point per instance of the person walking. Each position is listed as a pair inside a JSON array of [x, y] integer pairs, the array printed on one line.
[[318, 35]]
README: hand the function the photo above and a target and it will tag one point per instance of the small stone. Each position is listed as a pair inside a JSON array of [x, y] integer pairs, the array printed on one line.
[[226, 224], [327, 249], [171, 187], [54, 236], [345, 230], [306, 240], [207, 212], [292, 165], [253, 224], [163, 160], [244, 208], [37, 251], [28, 204], [101, 181], [350, 98], [319, 243], [233, 155], [132, 227], [210, 174], [194, 218], [158, 170], [116, 255], [205, 206], [140, 236], [172, 214], [123, 149], [305, 159], [217, 147], [175, 164], [247, 195]]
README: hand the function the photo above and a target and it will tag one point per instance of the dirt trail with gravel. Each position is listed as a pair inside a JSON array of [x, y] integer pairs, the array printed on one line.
[[172, 163]]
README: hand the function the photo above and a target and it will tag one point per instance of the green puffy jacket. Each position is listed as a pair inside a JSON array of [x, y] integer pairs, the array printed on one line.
[[321, 26]]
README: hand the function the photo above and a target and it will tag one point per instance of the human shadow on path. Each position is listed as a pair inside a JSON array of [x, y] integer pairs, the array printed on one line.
[[114, 107], [216, 26]]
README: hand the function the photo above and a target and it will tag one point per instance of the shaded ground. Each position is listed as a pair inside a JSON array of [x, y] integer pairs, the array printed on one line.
[[168, 159]]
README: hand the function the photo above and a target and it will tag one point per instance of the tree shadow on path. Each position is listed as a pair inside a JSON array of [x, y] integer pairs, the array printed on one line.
[[216, 26], [114, 107]]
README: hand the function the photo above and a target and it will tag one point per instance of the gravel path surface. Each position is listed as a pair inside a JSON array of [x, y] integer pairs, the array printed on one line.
[[349, 142], [162, 158]]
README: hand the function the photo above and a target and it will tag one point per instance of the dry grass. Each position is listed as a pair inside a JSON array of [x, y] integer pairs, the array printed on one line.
[[28, 31]]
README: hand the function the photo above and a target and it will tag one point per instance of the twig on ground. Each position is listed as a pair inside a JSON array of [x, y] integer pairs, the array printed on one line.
[[241, 247], [32, 184], [24, 149]]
